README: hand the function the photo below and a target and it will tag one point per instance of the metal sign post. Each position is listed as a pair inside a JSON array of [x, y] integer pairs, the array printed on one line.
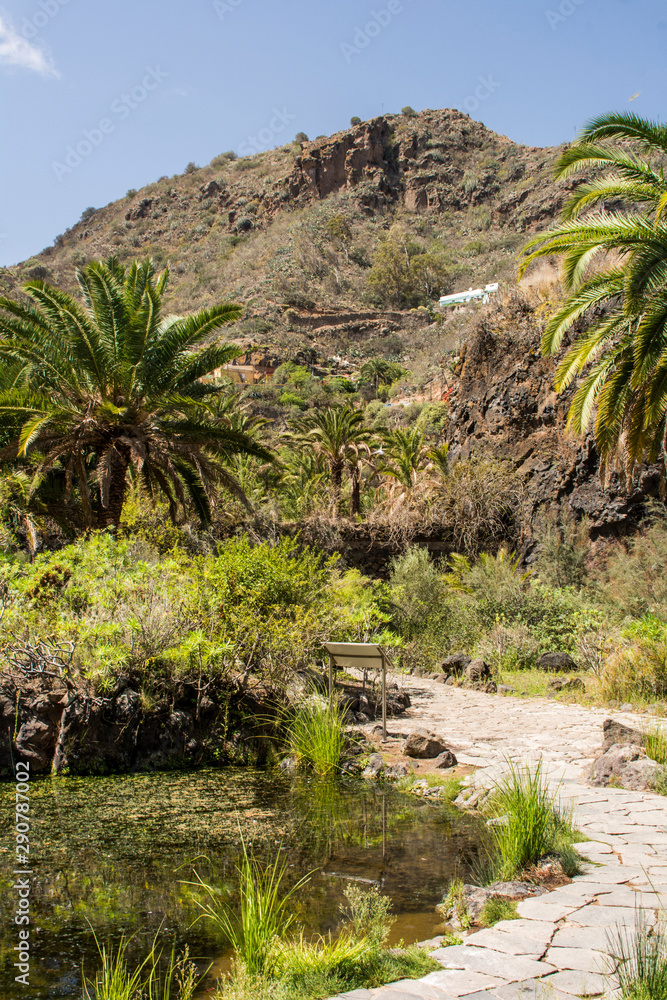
[[361, 655]]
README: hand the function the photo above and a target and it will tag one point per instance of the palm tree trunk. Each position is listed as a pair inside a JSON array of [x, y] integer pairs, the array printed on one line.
[[355, 506], [110, 515], [337, 483]]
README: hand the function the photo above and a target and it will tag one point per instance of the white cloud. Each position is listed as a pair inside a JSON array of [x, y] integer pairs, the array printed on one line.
[[18, 51]]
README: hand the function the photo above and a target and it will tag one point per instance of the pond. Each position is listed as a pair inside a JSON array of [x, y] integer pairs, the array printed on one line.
[[112, 856]]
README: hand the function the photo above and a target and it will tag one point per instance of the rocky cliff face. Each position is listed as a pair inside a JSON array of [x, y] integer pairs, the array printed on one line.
[[503, 403], [55, 727]]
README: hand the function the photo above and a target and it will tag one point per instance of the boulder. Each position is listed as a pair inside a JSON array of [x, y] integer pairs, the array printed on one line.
[[423, 745], [35, 742], [477, 672], [616, 734], [127, 705], [555, 663], [455, 664], [628, 766], [474, 898], [395, 771], [375, 766], [445, 760], [567, 684]]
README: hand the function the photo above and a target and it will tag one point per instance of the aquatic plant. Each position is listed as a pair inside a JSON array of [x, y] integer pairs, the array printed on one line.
[[263, 916], [316, 736]]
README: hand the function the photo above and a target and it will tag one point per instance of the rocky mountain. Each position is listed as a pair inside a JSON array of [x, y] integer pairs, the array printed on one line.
[[259, 230]]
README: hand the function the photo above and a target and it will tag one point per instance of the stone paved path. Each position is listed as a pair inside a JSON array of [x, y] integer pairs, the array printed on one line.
[[558, 949]]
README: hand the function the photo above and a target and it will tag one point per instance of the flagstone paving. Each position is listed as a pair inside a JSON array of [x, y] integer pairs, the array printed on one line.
[[559, 948]]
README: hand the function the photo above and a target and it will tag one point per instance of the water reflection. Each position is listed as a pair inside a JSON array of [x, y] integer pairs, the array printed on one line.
[[116, 852]]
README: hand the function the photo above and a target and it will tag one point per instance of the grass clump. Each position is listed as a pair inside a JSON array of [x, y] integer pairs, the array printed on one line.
[[642, 955], [174, 979], [316, 736], [302, 969], [534, 824], [496, 909], [263, 915]]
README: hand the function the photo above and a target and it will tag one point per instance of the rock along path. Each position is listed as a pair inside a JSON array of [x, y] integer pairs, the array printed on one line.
[[558, 949]]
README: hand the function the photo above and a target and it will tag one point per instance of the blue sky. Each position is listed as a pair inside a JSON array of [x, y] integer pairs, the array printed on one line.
[[141, 88]]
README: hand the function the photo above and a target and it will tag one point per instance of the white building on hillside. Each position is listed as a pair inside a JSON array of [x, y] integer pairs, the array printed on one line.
[[472, 295]]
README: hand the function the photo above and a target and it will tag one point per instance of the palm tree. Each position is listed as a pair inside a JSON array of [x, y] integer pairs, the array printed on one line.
[[108, 389], [339, 437], [405, 456], [615, 270]]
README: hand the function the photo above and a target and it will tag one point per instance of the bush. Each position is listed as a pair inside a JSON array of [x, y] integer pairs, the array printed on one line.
[[533, 824], [642, 954], [87, 213], [408, 112], [315, 736], [564, 548], [639, 667], [479, 501], [355, 121], [630, 582], [417, 589], [301, 137]]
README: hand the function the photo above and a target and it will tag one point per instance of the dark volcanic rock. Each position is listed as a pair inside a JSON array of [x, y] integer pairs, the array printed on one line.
[[615, 733], [556, 663]]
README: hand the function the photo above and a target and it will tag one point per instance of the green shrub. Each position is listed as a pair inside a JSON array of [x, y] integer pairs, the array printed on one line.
[[496, 909], [408, 112], [564, 548], [639, 666], [315, 736], [291, 399], [532, 823], [630, 582]]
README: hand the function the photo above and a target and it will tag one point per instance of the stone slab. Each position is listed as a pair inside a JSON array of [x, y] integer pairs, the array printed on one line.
[[581, 959], [570, 936], [603, 916], [414, 988], [459, 984], [580, 984], [542, 909], [612, 875], [538, 930], [593, 847], [491, 963], [530, 989], [508, 944]]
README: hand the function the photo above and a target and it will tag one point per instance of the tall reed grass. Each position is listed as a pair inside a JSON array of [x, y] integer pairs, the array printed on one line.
[[152, 979], [642, 954], [263, 914], [533, 822], [316, 736]]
